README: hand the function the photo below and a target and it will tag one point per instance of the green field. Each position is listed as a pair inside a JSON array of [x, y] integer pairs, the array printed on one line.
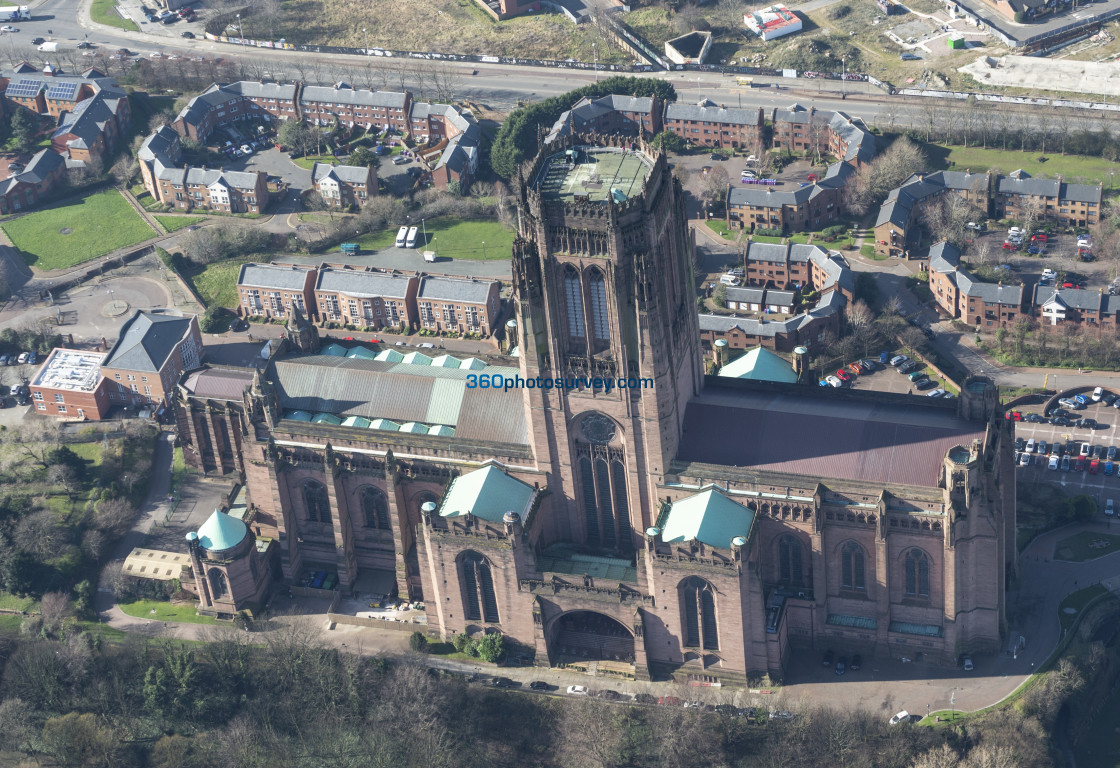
[[98, 224], [1077, 602], [102, 12], [216, 284], [720, 228], [143, 609], [9, 602], [172, 223], [1073, 168], [474, 239]]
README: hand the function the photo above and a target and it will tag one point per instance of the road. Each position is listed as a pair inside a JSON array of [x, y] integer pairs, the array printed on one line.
[[500, 86]]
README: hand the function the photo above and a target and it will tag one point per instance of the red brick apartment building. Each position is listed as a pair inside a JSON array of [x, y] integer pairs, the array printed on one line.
[[463, 305], [22, 188], [69, 385], [274, 290], [153, 351], [710, 125], [341, 186], [216, 190], [636, 115], [365, 298]]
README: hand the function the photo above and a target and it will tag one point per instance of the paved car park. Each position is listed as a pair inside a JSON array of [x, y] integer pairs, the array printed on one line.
[[1070, 438], [1059, 252], [888, 378]]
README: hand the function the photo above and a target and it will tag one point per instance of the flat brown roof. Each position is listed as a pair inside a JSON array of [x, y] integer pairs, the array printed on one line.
[[800, 431]]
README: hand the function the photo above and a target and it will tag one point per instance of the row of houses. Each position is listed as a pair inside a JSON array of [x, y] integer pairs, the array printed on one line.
[[141, 369], [368, 297], [447, 134], [960, 295], [775, 277], [91, 114], [1016, 196]]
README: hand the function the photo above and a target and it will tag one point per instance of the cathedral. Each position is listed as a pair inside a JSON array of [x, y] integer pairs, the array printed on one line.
[[592, 495]]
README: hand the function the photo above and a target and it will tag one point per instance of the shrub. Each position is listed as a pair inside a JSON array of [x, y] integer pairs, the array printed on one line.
[[764, 232], [491, 648], [417, 642], [462, 642], [213, 320]]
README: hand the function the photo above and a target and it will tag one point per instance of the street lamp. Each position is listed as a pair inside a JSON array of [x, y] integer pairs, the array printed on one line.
[[240, 29], [364, 32], [595, 57], [484, 250], [844, 79]]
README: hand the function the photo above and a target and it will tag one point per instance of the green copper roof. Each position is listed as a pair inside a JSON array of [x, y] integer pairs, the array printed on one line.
[[446, 361], [389, 356], [709, 517], [298, 416], [221, 532], [441, 430], [361, 352], [390, 426], [413, 427], [356, 421], [472, 364], [417, 358], [325, 418], [487, 493], [760, 365], [334, 350]]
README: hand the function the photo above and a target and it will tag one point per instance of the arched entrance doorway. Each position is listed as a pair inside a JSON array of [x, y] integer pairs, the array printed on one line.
[[585, 636]]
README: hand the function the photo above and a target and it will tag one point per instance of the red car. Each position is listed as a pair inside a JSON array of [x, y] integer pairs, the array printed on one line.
[[1070, 285], [1013, 416], [669, 701], [1094, 466], [813, 177], [1079, 464], [855, 367], [1010, 247], [1039, 238], [843, 375]]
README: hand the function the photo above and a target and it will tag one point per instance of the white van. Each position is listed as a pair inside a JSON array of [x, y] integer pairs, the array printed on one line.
[[430, 257], [402, 236], [730, 279], [411, 242]]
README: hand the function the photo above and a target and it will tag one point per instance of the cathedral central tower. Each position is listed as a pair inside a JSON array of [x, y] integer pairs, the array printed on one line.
[[605, 298]]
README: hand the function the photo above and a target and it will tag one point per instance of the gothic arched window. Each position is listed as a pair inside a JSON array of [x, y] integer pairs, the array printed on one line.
[[375, 507], [790, 561], [917, 573], [479, 600], [218, 587], [600, 319], [316, 500], [698, 606], [573, 302], [851, 566]]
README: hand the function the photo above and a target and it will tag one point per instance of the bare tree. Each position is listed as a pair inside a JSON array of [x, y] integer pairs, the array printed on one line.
[[591, 734], [114, 516], [40, 534], [940, 757], [53, 609]]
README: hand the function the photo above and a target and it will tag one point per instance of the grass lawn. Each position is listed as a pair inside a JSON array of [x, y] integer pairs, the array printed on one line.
[[172, 223], [1074, 168], [102, 12], [9, 602], [161, 611], [474, 239], [766, 239], [867, 250], [216, 284], [1077, 602], [720, 228], [1078, 548], [308, 162], [98, 224]]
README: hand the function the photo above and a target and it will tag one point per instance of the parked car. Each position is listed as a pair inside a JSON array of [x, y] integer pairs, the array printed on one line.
[[501, 682], [856, 367], [189, 35], [1109, 468], [843, 375], [645, 698], [898, 360], [828, 658], [924, 384], [540, 685], [1065, 463], [1097, 393], [23, 356], [900, 717], [1053, 463], [1085, 449], [910, 367], [714, 156], [1013, 416], [669, 701], [1108, 508], [577, 690], [1042, 447], [1079, 464], [1094, 466], [857, 662], [967, 662], [781, 714], [936, 393], [1030, 446], [916, 375], [1034, 418], [841, 666], [1108, 398], [834, 382], [1024, 459]]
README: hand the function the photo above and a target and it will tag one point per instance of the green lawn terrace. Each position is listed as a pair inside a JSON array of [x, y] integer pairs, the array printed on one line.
[[592, 174]]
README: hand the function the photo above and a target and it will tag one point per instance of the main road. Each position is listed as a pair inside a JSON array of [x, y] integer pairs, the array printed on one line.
[[497, 85]]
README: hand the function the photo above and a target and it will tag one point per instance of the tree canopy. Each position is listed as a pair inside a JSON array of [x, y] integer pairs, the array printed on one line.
[[516, 140]]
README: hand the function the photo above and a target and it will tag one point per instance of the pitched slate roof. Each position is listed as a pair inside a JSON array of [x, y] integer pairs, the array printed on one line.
[[944, 257], [1010, 295], [87, 121], [748, 295], [352, 97], [349, 174], [1070, 297], [272, 276], [768, 197], [487, 493], [147, 339], [361, 284], [162, 143], [710, 517], [454, 289], [709, 111], [41, 165]]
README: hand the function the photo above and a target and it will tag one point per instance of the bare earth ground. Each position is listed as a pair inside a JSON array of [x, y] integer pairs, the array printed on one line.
[[445, 26]]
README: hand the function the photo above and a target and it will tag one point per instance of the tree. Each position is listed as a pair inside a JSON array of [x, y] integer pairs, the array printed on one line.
[[294, 135], [719, 295], [491, 647], [18, 572], [213, 320], [871, 183], [715, 184], [54, 607], [17, 728], [203, 246], [418, 642], [867, 289], [364, 157], [668, 141], [25, 128], [114, 515], [81, 740]]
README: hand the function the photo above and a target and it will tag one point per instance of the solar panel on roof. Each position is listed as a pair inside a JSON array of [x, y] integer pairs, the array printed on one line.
[[62, 91], [24, 88]]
